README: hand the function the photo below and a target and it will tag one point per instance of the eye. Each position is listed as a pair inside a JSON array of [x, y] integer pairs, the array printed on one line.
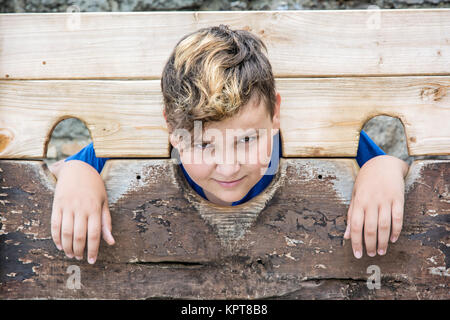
[[202, 146], [253, 138]]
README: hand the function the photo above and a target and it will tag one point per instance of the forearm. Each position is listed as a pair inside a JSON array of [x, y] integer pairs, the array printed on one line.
[[404, 167], [75, 174], [390, 162], [56, 167]]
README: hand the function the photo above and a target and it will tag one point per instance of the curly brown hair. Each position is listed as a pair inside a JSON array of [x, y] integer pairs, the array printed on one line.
[[212, 73]]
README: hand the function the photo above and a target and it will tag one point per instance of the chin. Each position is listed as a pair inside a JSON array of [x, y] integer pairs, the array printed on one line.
[[231, 196]]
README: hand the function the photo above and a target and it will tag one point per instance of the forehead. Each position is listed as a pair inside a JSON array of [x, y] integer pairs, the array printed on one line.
[[252, 115]]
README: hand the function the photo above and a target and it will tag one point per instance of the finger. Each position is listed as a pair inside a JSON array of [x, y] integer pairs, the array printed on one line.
[[67, 233], [56, 225], [79, 236], [397, 218], [106, 224], [370, 229], [384, 228], [349, 219], [94, 229], [356, 230]]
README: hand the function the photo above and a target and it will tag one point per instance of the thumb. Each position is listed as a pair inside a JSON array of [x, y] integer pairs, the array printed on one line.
[[106, 224]]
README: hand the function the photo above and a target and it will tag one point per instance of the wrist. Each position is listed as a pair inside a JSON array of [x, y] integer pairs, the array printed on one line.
[[390, 161], [78, 170], [403, 165]]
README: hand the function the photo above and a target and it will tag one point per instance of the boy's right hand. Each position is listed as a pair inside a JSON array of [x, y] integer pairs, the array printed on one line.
[[80, 211]]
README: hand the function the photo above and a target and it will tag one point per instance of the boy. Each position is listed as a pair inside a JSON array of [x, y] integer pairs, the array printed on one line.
[[221, 78]]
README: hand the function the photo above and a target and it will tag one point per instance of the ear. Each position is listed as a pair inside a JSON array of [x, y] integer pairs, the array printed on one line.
[[172, 140], [276, 115]]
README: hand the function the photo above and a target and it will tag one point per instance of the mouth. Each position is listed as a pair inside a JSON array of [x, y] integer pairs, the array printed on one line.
[[229, 184]]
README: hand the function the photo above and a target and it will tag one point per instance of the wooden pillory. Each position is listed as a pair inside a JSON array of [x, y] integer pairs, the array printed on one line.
[[335, 70]]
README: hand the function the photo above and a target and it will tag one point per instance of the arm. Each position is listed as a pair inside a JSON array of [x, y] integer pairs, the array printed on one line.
[[80, 210], [56, 167], [377, 203], [87, 154], [367, 149]]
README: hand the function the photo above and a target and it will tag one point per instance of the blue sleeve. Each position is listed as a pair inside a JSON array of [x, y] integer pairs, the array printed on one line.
[[87, 154], [367, 149]]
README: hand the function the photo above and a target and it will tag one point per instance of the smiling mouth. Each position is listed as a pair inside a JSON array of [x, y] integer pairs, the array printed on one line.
[[229, 184], [229, 181]]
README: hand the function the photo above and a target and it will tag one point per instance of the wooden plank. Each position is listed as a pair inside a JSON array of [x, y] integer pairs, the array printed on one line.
[[300, 43], [124, 118], [320, 117], [166, 248], [323, 117]]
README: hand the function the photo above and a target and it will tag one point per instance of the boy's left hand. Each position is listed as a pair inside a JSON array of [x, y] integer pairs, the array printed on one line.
[[377, 205]]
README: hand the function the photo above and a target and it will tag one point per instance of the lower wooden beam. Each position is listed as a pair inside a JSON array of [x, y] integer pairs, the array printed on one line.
[[286, 243]]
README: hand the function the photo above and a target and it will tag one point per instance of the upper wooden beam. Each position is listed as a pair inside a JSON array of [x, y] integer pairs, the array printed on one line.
[[305, 43]]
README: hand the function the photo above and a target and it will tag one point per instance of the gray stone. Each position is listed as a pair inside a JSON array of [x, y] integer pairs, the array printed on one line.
[[11, 6], [70, 129], [149, 5], [127, 5], [215, 5], [92, 5]]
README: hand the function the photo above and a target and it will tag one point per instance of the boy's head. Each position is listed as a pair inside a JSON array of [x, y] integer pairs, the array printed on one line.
[[218, 87]]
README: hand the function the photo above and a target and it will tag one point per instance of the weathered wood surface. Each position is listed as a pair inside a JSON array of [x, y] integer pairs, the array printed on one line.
[[319, 117], [167, 246], [135, 45]]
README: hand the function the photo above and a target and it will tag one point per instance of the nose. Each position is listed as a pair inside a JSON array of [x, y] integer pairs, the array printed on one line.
[[228, 171]]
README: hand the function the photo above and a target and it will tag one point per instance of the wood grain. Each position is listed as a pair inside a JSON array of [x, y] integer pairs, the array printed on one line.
[[334, 70], [319, 117], [165, 248], [136, 45]]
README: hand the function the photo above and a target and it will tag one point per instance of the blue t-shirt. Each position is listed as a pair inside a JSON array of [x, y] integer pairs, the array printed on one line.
[[367, 149]]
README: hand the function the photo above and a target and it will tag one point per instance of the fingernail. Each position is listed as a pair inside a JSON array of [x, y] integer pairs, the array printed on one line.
[[358, 254], [371, 254], [394, 239], [91, 260], [59, 247], [69, 255], [79, 258], [381, 252]]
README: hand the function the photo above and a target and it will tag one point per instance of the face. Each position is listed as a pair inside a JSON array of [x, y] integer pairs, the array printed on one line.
[[229, 157]]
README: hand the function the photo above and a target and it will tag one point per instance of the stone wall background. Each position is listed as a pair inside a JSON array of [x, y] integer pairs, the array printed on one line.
[[70, 135], [11, 6]]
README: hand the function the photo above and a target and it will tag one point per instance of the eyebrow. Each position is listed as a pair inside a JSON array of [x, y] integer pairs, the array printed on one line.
[[249, 133]]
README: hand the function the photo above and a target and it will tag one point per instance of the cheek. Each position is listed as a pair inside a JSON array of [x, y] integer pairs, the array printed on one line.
[[261, 154], [256, 154], [198, 172], [265, 152]]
